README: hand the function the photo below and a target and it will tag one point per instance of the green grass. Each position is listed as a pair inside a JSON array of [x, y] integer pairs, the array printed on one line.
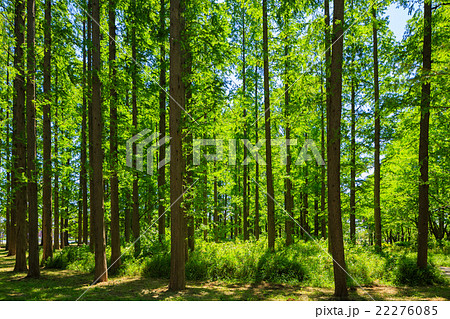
[[232, 271]]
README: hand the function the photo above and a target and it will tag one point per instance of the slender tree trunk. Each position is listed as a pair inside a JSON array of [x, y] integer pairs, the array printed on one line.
[[328, 103], [257, 229], [33, 258], [135, 215], [289, 200], [305, 222], [8, 174], [90, 124], [83, 173], [422, 238], [334, 143], [205, 201], [353, 166], [56, 233], [12, 176], [127, 225], [162, 122], [177, 102], [245, 169], [377, 210], [97, 156], [216, 208], [66, 226], [20, 196], [316, 215], [269, 176], [8, 163], [115, 227], [47, 160]]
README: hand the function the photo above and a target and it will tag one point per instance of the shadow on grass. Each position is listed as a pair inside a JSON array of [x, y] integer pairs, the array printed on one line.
[[56, 284]]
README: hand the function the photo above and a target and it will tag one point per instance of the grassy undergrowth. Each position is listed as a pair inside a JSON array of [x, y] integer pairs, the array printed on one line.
[[305, 263]]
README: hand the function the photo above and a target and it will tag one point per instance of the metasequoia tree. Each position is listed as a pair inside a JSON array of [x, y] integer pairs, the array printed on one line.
[[32, 191], [269, 175], [177, 102], [333, 151], [19, 142], [422, 226], [97, 156]]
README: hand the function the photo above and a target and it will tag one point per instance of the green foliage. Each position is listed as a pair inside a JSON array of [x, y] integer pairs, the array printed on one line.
[[72, 257], [158, 266], [407, 273]]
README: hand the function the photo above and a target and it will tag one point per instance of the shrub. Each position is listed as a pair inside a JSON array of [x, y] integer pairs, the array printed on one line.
[[407, 273], [157, 267], [72, 257], [279, 268]]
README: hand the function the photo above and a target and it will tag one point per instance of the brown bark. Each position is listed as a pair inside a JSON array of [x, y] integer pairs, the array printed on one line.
[[353, 166], [8, 165], [327, 103], [115, 227], [305, 207], [257, 229], [269, 176], [19, 141], [162, 123], [97, 156], [216, 208], [377, 177], [83, 172], [56, 217], [135, 215], [177, 250], [422, 226], [33, 257], [90, 125], [47, 159], [333, 147], [288, 200], [245, 168]]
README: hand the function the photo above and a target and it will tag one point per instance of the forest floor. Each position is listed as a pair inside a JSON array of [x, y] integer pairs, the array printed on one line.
[[56, 284]]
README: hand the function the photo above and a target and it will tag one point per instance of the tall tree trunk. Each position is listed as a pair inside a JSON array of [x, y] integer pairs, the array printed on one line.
[[115, 227], [56, 232], [216, 208], [333, 151], [288, 200], [83, 172], [33, 215], [257, 229], [8, 165], [162, 123], [377, 209], [90, 125], [135, 215], [353, 166], [327, 105], [127, 223], [422, 238], [47, 159], [20, 189], [177, 102], [245, 168], [269, 176], [97, 156], [12, 210], [305, 222], [205, 201]]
